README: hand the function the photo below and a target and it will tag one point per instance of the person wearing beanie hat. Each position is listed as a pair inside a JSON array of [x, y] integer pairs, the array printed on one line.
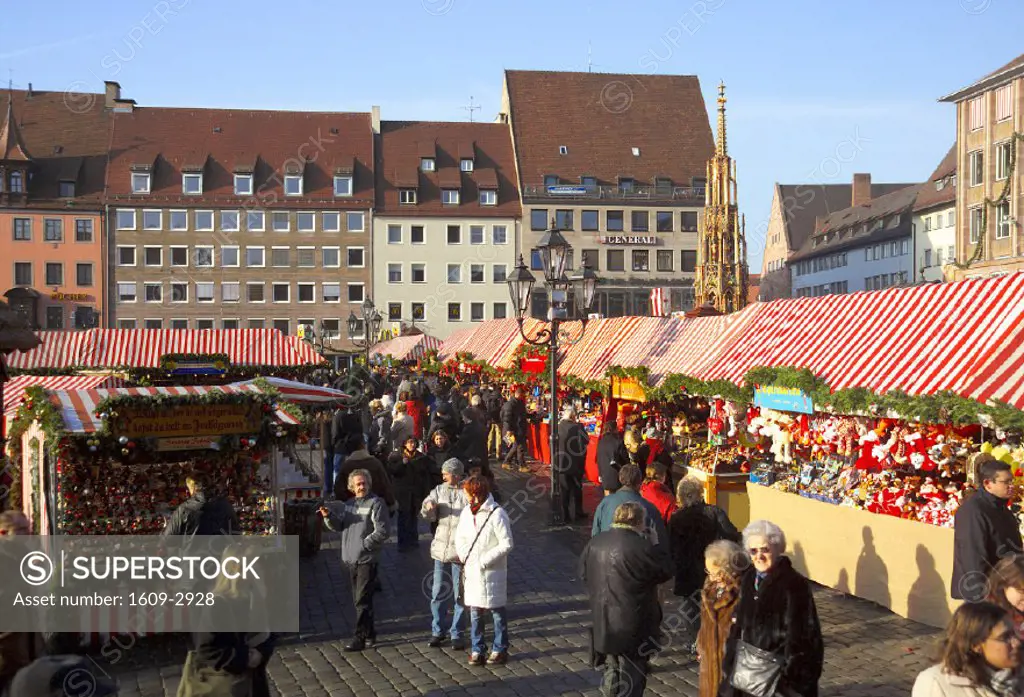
[[443, 506]]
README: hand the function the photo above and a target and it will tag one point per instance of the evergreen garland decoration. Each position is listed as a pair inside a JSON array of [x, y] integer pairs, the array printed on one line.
[[35, 406]]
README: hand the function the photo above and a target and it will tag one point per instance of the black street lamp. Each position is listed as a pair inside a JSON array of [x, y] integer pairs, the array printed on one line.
[[370, 322], [554, 253]]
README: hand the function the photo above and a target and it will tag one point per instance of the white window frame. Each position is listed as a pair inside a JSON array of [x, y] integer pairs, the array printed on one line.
[[483, 274], [323, 257], [362, 221], [292, 178], [976, 174], [337, 221], [273, 292], [1003, 222], [488, 197], [262, 249], [238, 256], [224, 285], [196, 215], [450, 197], [171, 322], [179, 283], [135, 254], [412, 268], [401, 272], [144, 176], [972, 235], [275, 215], [135, 291], [170, 220], [145, 291], [298, 292], [352, 285], [355, 266], [483, 234], [428, 164], [483, 311], [243, 191], [495, 267], [340, 178], [263, 220], [276, 248], [117, 219], [298, 257], [323, 291], [213, 291], [126, 323], [213, 256], [147, 320], [298, 226], [466, 164], [1004, 146], [448, 274], [171, 257], [447, 312], [251, 320], [225, 320], [261, 284], [401, 235], [145, 261], [446, 240], [422, 227], [407, 197], [238, 220], [191, 175], [200, 321]]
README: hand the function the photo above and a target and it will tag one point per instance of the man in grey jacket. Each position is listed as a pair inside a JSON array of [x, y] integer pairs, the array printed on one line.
[[443, 506], [363, 524]]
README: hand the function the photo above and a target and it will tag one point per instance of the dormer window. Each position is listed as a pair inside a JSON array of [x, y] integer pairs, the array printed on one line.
[[243, 185], [293, 185], [466, 164], [940, 184], [450, 197], [407, 196], [67, 189], [589, 182], [563, 150], [427, 164], [488, 197], [636, 152], [192, 183], [17, 183], [343, 185], [626, 185], [551, 180], [140, 182]]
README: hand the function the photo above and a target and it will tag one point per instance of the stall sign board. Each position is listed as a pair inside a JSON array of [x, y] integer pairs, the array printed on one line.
[[189, 420], [567, 190], [185, 443], [628, 389], [783, 399], [532, 365]]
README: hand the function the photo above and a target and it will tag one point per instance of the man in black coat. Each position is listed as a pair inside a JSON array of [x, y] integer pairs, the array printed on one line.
[[513, 429], [611, 456], [622, 571], [572, 462], [202, 513], [985, 530]]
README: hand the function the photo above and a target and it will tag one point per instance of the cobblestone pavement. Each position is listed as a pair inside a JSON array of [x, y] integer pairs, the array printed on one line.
[[869, 651]]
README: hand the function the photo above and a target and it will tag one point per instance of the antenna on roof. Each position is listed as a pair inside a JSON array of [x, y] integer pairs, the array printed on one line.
[[470, 108], [590, 56]]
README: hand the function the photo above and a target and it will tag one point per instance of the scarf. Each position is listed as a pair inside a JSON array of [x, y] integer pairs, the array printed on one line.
[[475, 507], [1003, 682]]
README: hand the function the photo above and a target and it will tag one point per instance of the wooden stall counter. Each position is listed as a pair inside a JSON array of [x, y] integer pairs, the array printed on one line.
[[728, 492], [903, 565]]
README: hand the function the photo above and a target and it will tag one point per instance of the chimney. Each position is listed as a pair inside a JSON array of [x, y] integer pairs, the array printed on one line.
[[861, 189], [112, 93], [375, 119], [819, 222], [29, 95]]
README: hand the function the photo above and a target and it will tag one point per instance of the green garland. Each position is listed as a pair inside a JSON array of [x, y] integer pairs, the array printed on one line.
[[168, 358], [50, 420]]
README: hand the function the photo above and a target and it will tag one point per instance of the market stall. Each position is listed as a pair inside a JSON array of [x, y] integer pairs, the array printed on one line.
[[406, 348]]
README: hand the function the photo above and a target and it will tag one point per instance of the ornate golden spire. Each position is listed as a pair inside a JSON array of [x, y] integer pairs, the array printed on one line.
[[12, 147], [720, 148]]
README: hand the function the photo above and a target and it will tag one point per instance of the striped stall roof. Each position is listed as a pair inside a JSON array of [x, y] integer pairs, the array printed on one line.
[[407, 348], [689, 345], [58, 349], [574, 359], [78, 407], [504, 355], [294, 391], [14, 389], [922, 339], [455, 342], [602, 355], [998, 373]]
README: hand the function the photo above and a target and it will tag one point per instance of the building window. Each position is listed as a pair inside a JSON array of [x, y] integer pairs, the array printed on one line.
[[22, 273], [125, 219], [356, 258], [418, 272], [343, 185], [228, 256], [488, 197], [394, 234], [551, 179], [179, 324], [255, 221], [255, 257], [394, 312], [355, 292], [153, 323], [331, 222], [688, 221], [243, 185], [54, 274], [927, 258], [476, 234], [499, 311], [417, 235], [55, 317], [563, 219], [307, 292], [179, 292], [976, 161], [192, 184], [927, 223], [307, 257], [476, 273], [1004, 102], [454, 312], [53, 230], [455, 273], [450, 197], [665, 260], [499, 273], [281, 292], [641, 260], [154, 292], [178, 220], [152, 220], [203, 257], [613, 221], [591, 258], [204, 291], [664, 221], [589, 221], [407, 196], [951, 219], [394, 272], [204, 221], [229, 324], [626, 185], [280, 221], [331, 292], [499, 234], [427, 164], [83, 230], [419, 311], [1003, 220], [22, 229], [539, 219], [536, 264], [305, 222], [615, 260], [140, 182], [230, 292], [293, 185], [454, 234], [976, 113], [282, 325], [688, 260], [976, 220], [355, 221], [153, 256], [476, 312], [126, 292], [1003, 160], [255, 292], [126, 256], [466, 164], [331, 257], [640, 221]]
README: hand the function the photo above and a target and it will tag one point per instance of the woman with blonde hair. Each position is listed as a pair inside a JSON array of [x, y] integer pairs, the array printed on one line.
[[725, 564]]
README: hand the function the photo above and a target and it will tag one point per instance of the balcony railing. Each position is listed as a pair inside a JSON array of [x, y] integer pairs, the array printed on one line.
[[571, 192]]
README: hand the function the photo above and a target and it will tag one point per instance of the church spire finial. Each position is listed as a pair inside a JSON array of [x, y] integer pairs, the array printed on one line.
[[721, 144]]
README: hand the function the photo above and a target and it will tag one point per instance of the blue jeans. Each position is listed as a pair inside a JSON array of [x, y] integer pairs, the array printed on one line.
[[439, 597], [328, 474], [408, 529], [477, 620]]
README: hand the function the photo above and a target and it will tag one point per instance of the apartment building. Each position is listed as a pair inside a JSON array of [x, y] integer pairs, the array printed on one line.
[[988, 113], [236, 218], [446, 224], [935, 222], [52, 161], [618, 164]]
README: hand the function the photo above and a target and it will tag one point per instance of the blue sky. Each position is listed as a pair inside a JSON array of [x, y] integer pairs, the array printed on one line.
[[817, 91]]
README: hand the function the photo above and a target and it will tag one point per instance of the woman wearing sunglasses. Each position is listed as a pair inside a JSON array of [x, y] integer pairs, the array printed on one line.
[[980, 655], [776, 638]]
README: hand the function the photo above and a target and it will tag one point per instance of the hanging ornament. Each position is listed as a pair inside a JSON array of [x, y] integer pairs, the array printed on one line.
[[123, 440], [124, 451]]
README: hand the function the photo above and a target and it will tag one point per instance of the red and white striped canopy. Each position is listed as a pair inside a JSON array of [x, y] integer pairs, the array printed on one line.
[[455, 342], [78, 407], [406, 348], [14, 389], [298, 392], [142, 348]]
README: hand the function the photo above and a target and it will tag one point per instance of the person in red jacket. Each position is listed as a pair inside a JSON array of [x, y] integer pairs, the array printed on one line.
[[414, 408], [655, 490]]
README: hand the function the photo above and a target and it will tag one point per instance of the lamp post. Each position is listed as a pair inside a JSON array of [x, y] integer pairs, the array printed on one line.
[[554, 251], [370, 322]]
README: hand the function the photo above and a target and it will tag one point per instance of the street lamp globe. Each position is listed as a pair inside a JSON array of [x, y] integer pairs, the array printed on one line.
[[554, 252], [367, 307], [584, 288], [520, 285], [376, 319], [353, 326]]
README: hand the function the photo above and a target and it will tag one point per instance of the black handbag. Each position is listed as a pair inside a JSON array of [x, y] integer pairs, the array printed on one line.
[[756, 671]]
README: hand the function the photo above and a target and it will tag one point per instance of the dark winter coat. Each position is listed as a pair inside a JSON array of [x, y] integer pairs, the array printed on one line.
[[572, 448], [716, 611], [472, 445], [621, 572], [782, 618], [691, 530], [513, 418], [492, 403], [447, 420], [228, 652], [344, 425], [984, 531], [380, 434], [477, 414], [611, 456], [410, 480], [199, 515], [436, 457]]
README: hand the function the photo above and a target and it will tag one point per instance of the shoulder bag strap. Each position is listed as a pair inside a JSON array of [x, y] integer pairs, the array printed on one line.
[[479, 530]]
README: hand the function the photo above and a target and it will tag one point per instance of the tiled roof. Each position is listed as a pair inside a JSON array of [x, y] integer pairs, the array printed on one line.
[[1011, 69], [803, 203], [222, 142], [403, 143], [600, 118], [929, 196], [65, 140]]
